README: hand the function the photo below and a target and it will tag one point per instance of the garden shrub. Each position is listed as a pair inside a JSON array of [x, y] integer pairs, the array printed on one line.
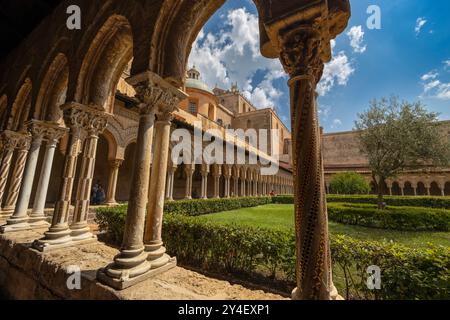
[[406, 273], [198, 207], [416, 201], [395, 218], [349, 183]]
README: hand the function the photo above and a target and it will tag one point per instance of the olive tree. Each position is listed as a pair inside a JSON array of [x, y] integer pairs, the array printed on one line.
[[397, 136]]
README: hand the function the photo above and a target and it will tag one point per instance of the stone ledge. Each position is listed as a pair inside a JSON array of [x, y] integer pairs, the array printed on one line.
[[26, 273]]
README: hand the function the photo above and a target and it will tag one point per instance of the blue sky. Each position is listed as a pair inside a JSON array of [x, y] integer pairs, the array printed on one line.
[[408, 57]]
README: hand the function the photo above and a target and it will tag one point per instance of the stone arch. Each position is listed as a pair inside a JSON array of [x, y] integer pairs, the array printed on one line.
[[53, 91], [409, 189], [177, 27], [435, 189], [112, 144], [3, 110], [108, 55], [447, 188], [21, 107], [421, 190], [396, 189]]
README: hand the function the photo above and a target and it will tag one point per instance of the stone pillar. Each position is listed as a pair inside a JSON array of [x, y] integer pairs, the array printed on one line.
[[17, 174], [170, 182], [227, 177], [19, 220], [300, 56], [205, 172], [77, 118], [243, 183], [114, 167], [54, 135], [9, 141], [189, 170], [136, 261], [80, 230], [131, 265], [216, 176]]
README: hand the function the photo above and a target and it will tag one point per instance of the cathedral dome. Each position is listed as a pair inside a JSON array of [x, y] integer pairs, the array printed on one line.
[[193, 81]]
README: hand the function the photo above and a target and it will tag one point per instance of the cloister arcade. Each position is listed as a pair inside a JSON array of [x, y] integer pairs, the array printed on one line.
[[57, 91]]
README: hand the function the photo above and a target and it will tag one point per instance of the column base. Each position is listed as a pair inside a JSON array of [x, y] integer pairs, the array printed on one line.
[[6, 213], [111, 203], [125, 281], [334, 295], [51, 245]]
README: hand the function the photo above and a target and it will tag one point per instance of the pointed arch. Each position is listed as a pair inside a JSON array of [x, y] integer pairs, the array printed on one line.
[[21, 107], [108, 55], [53, 90]]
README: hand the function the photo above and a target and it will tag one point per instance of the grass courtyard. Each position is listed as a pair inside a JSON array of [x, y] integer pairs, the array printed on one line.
[[281, 216]]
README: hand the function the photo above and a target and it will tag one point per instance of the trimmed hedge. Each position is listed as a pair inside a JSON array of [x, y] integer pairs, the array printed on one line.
[[400, 201], [199, 207], [406, 273], [395, 218]]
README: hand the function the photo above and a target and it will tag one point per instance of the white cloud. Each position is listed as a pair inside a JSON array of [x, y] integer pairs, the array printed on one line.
[[430, 76], [433, 87], [356, 35], [233, 55], [336, 123], [447, 64], [420, 22], [338, 70]]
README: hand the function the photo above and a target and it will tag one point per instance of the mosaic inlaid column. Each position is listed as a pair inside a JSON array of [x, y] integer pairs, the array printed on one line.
[[19, 220], [80, 230], [53, 136], [16, 176], [9, 142], [58, 234], [114, 166], [301, 58]]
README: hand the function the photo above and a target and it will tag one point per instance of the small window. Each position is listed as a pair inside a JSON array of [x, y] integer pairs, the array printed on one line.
[[220, 121], [192, 107]]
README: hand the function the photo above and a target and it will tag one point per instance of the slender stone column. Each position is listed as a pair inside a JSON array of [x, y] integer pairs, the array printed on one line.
[[243, 183], [153, 228], [19, 220], [53, 136], [301, 59], [131, 265], [205, 172], [10, 140], [80, 230], [77, 118], [216, 176], [114, 166], [227, 177], [17, 174], [170, 182], [189, 170]]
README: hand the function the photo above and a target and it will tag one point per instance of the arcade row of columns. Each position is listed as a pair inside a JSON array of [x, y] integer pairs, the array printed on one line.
[[415, 187], [238, 182]]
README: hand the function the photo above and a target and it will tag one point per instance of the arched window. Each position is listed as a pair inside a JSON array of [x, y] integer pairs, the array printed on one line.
[[192, 107]]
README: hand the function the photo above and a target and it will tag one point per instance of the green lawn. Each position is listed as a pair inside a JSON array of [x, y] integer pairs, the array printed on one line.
[[281, 216]]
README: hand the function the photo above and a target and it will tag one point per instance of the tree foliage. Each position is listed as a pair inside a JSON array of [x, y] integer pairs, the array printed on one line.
[[349, 183], [397, 136]]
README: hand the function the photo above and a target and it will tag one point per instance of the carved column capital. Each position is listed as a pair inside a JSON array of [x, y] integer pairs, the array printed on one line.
[[81, 118], [300, 52], [155, 95], [116, 163]]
